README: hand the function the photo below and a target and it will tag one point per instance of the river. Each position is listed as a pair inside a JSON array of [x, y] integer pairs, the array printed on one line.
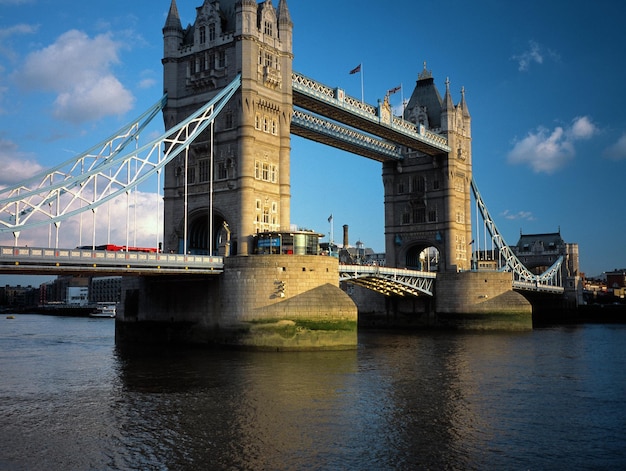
[[551, 398]]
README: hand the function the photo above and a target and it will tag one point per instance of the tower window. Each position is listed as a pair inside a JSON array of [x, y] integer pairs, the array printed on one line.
[[268, 28], [212, 32], [202, 34], [203, 170]]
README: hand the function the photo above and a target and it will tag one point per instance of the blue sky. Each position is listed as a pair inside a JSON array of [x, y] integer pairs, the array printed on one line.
[[544, 81]]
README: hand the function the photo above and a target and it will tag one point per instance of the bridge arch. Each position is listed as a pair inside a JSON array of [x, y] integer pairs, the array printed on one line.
[[423, 256], [198, 234]]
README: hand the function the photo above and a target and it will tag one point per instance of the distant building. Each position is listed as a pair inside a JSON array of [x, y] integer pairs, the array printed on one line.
[[18, 296], [57, 291], [616, 279], [105, 289], [538, 252]]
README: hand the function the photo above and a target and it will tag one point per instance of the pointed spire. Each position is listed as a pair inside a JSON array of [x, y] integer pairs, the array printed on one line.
[[283, 13], [448, 104], [463, 104], [173, 18]]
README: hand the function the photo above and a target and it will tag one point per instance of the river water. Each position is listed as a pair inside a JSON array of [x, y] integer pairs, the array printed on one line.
[[553, 398]]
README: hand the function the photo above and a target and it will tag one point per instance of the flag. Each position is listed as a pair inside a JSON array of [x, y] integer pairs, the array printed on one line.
[[394, 90], [356, 69], [330, 218]]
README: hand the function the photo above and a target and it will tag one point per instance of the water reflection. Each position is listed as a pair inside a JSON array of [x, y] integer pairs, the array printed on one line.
[[550, 398]]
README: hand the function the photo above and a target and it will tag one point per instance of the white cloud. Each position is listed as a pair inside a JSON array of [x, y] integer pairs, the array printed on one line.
[[78, 69], [7, 33], [16, 166], [147, 83], [535, 54], [548, 151], [618, 150], [520, 215]]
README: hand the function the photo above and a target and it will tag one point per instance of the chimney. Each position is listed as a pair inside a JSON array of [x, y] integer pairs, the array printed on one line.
[[345, 236]]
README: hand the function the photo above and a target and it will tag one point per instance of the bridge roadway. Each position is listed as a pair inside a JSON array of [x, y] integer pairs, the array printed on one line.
[[50, 261], [386, 132], [46, 261]]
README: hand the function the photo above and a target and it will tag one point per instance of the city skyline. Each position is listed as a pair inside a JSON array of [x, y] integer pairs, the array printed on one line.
[[549, 137]]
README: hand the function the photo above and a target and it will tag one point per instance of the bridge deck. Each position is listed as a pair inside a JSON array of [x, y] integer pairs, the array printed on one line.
[[45, 261], [335, 104]]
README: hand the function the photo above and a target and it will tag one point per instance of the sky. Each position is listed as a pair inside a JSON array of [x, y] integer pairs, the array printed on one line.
[[544, 81]]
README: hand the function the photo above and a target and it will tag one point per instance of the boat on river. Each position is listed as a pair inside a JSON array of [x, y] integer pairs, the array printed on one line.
[[104, 310]]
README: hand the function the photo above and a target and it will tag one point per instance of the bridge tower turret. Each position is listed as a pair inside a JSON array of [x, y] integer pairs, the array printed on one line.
[[251, 140], [428, 197]]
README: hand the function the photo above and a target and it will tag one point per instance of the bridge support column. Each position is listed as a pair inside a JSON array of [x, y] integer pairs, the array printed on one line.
[[480, 301], [273, 302]]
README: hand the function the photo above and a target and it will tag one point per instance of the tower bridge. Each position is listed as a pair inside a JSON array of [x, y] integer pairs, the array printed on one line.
[[231, 103]]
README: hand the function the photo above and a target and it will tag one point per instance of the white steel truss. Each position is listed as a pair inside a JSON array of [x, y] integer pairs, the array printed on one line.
[[523, 278], [389, 281], [84, 183]]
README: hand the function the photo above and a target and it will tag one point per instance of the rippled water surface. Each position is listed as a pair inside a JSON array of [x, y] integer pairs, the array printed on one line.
[[547, 399]]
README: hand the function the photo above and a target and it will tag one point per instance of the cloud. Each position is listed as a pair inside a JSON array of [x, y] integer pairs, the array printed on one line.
[[7, 33], [520, 215], [535, 54], [78, 69], [16, 166], [547, 151], [618, 150], [142, 231]]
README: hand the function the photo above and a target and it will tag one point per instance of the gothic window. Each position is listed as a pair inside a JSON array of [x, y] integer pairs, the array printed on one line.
[[222, 170], [418, 184], [212, 32], [222, 59], [257, 122], [266, 125], [419, 215], [273, 173], [460, 216], [191, 175], [274, 207], [406, 218], [203, 170], [274, 127], [432, 215], [202, 34], [268, 28], [229, 121], [265, 171], [269, 62], [211, 60]]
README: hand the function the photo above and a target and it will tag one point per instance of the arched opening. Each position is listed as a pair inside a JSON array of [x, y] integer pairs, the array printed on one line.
[[198, 236], [423, 257]]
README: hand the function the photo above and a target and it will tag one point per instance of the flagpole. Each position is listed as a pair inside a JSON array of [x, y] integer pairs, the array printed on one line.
[[362, 93]]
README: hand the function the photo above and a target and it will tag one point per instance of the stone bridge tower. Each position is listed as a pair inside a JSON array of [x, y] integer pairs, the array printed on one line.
[[251, 141], [427, 198]]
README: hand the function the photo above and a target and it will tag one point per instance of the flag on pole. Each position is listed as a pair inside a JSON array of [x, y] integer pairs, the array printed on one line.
[[356, 70], [394, 90], [330, 218]]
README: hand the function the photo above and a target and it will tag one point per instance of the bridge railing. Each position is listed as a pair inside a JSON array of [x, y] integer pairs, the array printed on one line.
[[338, 98], [51, 258]]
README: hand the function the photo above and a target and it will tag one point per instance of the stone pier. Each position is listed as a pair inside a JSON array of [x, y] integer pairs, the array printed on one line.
[[272, 302]]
